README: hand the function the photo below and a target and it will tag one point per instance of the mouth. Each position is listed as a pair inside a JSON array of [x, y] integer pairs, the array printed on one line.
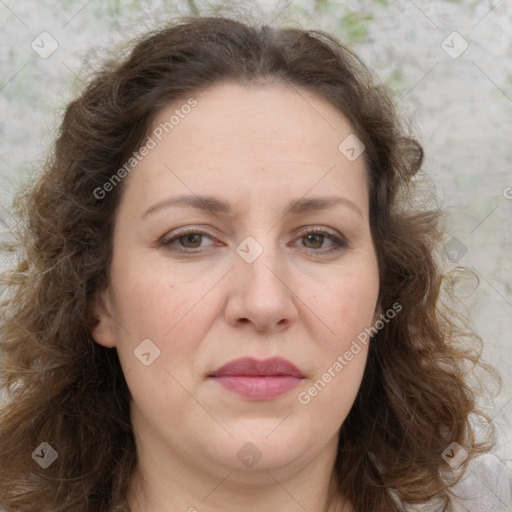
[[258, 379]]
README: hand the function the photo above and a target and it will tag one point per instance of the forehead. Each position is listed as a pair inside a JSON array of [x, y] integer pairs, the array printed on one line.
[[250, 139], [245, 115]]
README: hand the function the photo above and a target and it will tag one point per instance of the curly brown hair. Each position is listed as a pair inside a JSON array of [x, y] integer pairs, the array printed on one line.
[[62, 388]]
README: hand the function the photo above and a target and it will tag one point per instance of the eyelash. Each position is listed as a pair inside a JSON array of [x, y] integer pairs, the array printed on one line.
[[338, 243]]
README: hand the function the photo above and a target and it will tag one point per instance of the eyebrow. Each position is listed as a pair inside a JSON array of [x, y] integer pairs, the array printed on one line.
[[214, 205]]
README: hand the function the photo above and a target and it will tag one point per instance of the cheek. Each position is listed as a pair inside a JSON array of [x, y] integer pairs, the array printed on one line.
[[332, 394], [175, 317], [347, 305], [155, 303], [340, 357]]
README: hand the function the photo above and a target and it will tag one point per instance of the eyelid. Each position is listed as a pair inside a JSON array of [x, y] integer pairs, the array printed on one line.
[[306, 230]]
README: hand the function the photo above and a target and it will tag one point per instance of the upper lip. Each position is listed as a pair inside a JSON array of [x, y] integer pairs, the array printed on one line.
[[258, 367]]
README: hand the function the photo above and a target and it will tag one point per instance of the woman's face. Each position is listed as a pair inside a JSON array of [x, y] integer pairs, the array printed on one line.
[[277, 262]]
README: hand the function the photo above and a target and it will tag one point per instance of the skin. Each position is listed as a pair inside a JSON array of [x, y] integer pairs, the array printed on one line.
[[256, 147]]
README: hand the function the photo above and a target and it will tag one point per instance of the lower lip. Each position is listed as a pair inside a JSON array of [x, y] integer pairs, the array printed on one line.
[[259, 387]]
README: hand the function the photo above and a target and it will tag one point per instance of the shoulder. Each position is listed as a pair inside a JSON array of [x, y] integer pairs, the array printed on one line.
[[485, 487]]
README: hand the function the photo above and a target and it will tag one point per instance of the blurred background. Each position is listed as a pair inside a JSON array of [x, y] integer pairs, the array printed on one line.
[[447, 63]]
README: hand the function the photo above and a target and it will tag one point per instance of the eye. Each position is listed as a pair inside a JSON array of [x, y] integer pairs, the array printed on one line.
[[314, 238], [188, 239]]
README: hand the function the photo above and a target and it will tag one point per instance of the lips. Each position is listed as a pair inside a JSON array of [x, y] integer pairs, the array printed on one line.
[[258, 379], [275, 366]]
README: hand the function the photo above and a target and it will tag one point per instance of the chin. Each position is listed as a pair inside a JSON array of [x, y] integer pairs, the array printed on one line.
[[260, 448]]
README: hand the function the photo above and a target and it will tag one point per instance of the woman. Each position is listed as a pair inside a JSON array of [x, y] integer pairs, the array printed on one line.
[[227, 298]]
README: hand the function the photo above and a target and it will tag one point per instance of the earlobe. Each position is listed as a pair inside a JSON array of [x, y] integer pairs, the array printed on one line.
[[103, 332]]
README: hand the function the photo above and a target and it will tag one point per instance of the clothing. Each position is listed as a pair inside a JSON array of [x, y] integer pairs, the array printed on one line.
[[485, 487]]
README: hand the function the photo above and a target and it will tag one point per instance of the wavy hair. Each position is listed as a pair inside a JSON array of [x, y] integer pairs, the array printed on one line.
[[62, 388]]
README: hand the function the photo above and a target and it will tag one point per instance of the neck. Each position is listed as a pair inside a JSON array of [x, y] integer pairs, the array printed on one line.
[[160, 484]]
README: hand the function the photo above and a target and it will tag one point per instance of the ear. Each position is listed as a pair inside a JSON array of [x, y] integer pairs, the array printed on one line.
[[103, 332]]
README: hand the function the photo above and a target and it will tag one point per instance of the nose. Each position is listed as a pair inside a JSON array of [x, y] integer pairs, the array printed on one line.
[[261, 293]]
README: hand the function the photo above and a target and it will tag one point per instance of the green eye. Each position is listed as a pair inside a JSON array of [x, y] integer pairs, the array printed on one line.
[[194, 239], [314, 238], [317, 240], [190, 238]]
